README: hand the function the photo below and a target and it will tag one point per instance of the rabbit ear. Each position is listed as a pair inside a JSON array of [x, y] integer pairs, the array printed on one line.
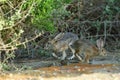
[[59, 36], [100, 43]]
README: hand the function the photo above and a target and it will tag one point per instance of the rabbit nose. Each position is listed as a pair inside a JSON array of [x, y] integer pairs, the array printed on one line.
[[104, 54]]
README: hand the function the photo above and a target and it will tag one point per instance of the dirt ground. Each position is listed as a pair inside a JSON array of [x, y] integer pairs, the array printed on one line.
[[102, 68]]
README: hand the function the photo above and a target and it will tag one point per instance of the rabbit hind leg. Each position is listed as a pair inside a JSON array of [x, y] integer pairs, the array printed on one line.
[[63, 55], [77, 52], [87, 59], [73, 53]]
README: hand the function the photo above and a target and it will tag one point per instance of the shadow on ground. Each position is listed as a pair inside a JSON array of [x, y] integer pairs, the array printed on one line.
[[107, 68]]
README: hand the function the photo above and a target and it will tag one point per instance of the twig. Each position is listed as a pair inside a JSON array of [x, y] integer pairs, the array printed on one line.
[[22, 43], [25, 15]]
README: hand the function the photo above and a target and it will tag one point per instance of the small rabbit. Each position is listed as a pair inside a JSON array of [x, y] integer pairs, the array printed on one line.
[[62, 42], [88, 49]]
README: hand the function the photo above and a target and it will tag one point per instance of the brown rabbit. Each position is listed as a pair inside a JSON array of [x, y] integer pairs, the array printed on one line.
[[62, 42], [88, 49]]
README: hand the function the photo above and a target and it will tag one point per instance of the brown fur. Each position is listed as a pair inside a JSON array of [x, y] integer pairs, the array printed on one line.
[[89, 49]]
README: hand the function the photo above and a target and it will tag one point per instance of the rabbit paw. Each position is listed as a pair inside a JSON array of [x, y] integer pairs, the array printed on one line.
[[70, 58], [59, 58]]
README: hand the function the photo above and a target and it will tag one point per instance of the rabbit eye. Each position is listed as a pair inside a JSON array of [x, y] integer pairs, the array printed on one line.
[[102, 50], [56, 41]]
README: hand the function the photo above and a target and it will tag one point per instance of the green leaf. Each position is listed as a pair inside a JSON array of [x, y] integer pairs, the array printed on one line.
[[2, 0]]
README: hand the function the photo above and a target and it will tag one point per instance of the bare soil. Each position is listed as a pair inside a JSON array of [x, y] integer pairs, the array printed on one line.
[[102, 68]]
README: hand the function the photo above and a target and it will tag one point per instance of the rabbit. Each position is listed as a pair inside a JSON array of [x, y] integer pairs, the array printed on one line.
[[63, 42], [88, 49]]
